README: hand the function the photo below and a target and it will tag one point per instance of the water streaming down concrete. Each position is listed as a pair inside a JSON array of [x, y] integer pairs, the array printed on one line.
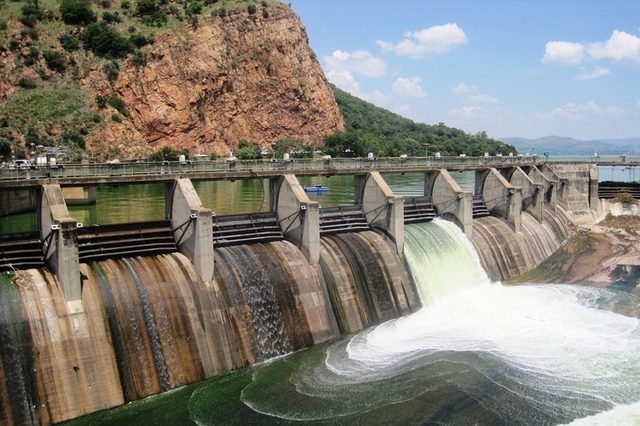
[[366, 280], [146, 325], [505, 253]]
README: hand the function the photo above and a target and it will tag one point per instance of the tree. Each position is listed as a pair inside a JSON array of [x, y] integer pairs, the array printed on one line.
[[105, 41], [77, 12], [5, 149], [166, 154]]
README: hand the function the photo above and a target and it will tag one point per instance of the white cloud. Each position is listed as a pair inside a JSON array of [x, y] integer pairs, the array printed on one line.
[[563, 52], [620, 46], [376, 97], [345, 81], [481, 99], [467, 112], [462, 89], [590, 75], [409, 87], [437, 39], [360, 62], [577, 112]]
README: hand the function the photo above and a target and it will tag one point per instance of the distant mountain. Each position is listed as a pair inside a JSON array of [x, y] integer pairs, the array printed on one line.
[[560, 145]]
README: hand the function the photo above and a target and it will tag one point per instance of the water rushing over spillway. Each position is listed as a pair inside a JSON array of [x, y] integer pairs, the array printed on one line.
[[478, 352]]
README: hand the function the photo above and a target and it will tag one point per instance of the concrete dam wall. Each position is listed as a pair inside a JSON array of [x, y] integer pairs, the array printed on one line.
[[145, 325]]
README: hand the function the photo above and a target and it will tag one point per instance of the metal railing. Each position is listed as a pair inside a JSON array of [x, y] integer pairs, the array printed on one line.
[[273, 167]]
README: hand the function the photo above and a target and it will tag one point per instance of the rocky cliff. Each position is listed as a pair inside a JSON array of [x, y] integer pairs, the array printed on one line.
[[207, 86], [230, 78]]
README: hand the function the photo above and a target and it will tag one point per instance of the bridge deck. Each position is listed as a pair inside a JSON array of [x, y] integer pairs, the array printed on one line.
[[143, 172]]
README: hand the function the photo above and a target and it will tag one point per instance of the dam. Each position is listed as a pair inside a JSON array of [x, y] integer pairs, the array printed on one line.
[[93, 325]]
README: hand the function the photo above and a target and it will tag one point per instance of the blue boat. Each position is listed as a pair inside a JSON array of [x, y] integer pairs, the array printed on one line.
[[316, 188]]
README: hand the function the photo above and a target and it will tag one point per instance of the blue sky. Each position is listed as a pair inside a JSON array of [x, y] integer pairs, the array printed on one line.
[[510, 68]]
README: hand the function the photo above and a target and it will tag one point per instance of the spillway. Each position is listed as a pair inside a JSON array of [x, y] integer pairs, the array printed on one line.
[[478, 352], [146, 325]]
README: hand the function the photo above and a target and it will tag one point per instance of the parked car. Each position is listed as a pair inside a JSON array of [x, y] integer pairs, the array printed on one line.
[[22, 164]]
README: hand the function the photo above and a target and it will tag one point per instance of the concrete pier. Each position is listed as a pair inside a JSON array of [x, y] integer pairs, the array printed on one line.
[[192, 225], [382, 208], [299, 217], [59, 233], [451, 202]]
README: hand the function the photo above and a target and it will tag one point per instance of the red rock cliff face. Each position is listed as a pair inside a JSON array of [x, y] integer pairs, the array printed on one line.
[[232, 78]]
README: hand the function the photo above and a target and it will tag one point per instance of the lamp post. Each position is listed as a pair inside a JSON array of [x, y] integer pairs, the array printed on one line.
[[426, 153]]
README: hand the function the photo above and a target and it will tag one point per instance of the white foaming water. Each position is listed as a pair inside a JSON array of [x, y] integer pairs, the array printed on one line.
[[548, 350]]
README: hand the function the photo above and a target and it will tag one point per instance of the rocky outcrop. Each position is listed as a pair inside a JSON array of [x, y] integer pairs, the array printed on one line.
[[206, 87]]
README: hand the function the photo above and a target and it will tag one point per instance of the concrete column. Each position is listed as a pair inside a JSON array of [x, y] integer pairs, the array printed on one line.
[[594, 198], [481, 175], [503, 199], [549, 186], [531, 193], [452, 203], [562, 184], [299, 217], [192, 225], [382, 208], [59, 232]]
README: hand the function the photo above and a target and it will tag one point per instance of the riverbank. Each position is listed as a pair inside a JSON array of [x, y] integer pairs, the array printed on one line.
[[606, 254]]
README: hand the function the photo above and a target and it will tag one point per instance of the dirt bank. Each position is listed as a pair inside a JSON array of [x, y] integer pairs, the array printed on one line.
[[603, 255]]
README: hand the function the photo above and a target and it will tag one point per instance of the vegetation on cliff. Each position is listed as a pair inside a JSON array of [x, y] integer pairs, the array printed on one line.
[[383, 133], [122, 78]]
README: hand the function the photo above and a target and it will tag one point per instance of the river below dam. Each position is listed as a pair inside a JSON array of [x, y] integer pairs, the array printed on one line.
[[478, 352]]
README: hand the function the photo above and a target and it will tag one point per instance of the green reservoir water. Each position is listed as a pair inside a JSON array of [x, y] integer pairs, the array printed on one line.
[[146, 202]]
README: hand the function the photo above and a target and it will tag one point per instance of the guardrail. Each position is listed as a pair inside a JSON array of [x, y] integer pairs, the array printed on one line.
[[133, 169]]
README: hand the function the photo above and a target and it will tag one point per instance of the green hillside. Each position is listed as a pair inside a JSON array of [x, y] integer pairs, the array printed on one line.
[[385, 134]]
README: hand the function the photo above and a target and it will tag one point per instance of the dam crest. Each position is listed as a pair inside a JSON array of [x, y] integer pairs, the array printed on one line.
[[95, 326]]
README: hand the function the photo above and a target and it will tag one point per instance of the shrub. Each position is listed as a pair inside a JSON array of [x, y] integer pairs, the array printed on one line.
[[146, 7], [140, 40], [111, 18], [13, 44], [116, 117], [105, 3], [196, 7], [166, 154], [3, 25], [32, 33], [69, 42], [139, 58], [105, 41], [625, 198], [28, 21], [251, 9], [27, 83], [77, 12], [5, 148], [158, 18], [126, 4], [56, 60], [32, 57], [32, 10], [73, 136], [113, 101], [265, 13], [112, 70]]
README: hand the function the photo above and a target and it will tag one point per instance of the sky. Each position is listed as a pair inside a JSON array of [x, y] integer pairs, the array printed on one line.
[[511, 68]]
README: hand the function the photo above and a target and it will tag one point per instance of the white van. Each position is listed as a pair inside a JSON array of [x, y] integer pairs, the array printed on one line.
[[22, 164]]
